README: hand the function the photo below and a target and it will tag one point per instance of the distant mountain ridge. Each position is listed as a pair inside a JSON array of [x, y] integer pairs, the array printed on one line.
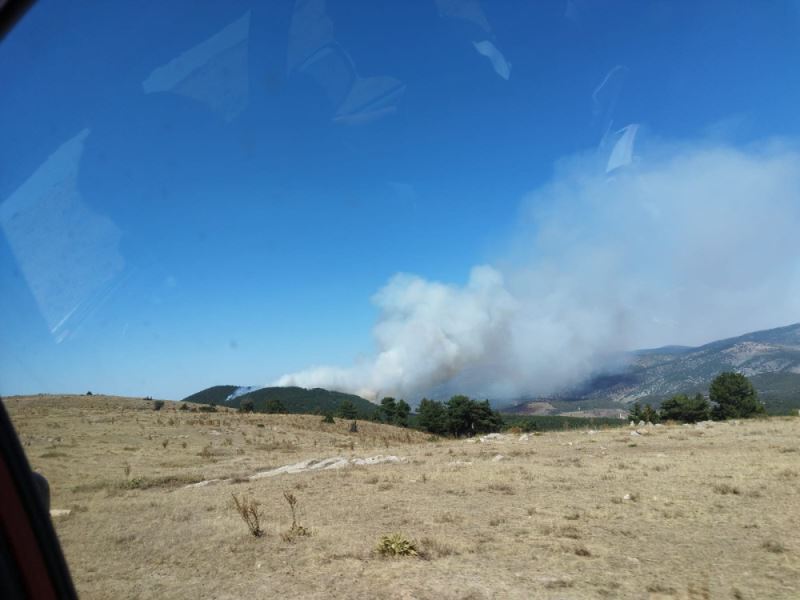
[[294, 399], [770, 358]]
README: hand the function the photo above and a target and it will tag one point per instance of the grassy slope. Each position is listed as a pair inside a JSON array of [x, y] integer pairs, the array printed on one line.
[[710, 511]]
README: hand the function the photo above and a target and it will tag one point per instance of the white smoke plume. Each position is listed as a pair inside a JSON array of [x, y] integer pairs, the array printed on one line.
[[689, 243]]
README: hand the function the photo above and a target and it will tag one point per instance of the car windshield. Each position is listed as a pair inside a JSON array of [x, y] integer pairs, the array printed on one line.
[[495, 278]]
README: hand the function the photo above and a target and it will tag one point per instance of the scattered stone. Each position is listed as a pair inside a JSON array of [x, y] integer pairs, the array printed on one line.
[[498, 458], [492, 437], [524, 437], [203, 483], [60, 512], [312, 464], [635, 433], [626, 497], [641, 423]]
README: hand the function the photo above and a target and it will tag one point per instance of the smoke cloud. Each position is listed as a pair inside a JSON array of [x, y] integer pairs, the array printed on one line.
[[688, 243]]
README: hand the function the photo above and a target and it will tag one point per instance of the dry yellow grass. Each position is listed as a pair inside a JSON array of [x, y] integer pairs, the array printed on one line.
[[680, 512]]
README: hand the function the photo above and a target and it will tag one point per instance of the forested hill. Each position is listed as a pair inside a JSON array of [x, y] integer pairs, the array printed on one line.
[[293, 399]]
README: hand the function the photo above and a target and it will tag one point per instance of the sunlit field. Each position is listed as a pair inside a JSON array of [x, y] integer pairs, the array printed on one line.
[[143, 505]]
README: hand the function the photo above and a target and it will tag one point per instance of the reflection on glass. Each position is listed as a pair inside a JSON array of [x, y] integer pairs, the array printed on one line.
[[213, 72], [314, 52], [622, 152], [499, 63], [67, 253]]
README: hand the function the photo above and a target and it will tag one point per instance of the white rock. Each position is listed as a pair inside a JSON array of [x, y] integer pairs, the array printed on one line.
[[60, 512], [498, 458], [634, 433]]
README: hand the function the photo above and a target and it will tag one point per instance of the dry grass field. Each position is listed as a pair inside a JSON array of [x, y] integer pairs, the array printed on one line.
[[677, 512]]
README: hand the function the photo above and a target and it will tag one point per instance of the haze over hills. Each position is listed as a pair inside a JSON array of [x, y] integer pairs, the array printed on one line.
[[770, 358]]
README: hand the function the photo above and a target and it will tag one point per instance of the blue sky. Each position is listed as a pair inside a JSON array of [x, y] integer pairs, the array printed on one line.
[[237, 224]]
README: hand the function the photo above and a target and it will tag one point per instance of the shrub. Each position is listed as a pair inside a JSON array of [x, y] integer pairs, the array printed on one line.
[[469, 417], [157, 404], [247, 406], [387, 409], [685, 409], [328, 418], [396, 545], [644, 413], [184, 406], [734, 397], [207, 408], [432, 416], [401, 412], [347, 410], [274, 406], [250, 513]]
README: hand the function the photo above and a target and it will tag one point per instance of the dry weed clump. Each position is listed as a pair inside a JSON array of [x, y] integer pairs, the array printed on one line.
[[296, 530], [774, 546], [432, 548], [725, 489], [396, 545], [503, 488], [249, 511]]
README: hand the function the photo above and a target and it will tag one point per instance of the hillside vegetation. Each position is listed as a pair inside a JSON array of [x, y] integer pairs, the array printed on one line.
[[769, 358], [295, 400]]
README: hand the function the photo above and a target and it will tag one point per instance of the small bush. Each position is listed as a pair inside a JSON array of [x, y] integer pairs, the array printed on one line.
[[207, 408], [774, 547], [725, 489], [582, 551], [328, 418], [250, 513], [247, 406], [184, 406], [396, 545], [158, 404], [503, 488]]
